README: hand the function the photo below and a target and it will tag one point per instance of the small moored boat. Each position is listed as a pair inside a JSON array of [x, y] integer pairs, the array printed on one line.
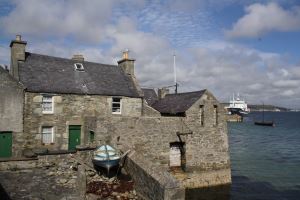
[[264, 123], [106, 157]]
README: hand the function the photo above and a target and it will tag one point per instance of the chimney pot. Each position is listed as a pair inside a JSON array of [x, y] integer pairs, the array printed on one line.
[[18, 37], [17, 51], [78, 57], [127, 64], [125, 54], [163, 92]]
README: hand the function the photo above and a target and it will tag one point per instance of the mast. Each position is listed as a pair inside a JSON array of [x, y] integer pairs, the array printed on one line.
[[175, 75]]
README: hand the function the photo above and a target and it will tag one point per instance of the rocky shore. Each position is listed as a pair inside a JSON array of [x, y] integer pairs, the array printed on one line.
[[110, 188]]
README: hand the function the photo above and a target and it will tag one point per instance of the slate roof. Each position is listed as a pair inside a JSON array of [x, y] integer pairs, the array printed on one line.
[[177, 103], [41, 73], [150, 96]]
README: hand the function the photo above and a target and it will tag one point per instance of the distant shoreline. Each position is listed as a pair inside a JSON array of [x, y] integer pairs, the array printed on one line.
[[266, 108]]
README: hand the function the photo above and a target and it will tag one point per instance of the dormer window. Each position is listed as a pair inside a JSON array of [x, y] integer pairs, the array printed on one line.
[[79, 67]]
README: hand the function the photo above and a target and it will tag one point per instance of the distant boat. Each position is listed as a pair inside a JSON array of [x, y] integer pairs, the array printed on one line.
[[106, 157], [238, 106], [263, 122]]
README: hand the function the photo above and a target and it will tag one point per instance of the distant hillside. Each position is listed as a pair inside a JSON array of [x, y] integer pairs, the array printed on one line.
[[267, 108], [260, 107]]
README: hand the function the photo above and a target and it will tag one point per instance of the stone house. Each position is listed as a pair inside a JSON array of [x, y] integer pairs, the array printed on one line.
[[56, 104], [46, 101]]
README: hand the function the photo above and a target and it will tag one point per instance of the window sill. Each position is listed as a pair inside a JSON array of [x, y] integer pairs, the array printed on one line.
[[48, 144], [116, 113], [48, 113]]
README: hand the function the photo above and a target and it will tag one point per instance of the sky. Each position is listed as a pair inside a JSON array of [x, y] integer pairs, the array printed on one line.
[[226, 46]]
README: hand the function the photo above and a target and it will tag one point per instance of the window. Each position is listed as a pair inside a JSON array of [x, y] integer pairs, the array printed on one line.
[[79, 67], [116, 105], [201, 115], [47, 104], [47, 135], [215, 115], [92, 136]]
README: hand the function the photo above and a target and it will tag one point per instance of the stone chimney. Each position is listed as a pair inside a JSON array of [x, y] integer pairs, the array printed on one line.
[[162, 92], [17, 48], [127, 64], [78, 57]]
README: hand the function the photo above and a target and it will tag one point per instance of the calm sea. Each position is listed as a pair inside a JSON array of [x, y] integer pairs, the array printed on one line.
[[265, 161]]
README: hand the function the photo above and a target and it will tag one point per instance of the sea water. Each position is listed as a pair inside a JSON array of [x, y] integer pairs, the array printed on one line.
[[265, 161]]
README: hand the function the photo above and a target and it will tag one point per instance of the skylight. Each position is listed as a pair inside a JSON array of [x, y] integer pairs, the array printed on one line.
[[79, 67]]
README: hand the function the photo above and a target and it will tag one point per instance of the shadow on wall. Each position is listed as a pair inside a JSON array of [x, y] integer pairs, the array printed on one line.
[[3, 194]]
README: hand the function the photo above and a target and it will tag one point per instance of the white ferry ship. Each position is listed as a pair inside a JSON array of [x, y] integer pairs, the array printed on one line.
[[237, 106]]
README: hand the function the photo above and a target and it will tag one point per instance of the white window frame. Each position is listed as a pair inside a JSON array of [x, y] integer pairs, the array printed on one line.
[[114, 102], [43, 132], [44, 102]]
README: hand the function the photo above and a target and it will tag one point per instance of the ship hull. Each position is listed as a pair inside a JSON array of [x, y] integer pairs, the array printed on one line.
[[237, 111]]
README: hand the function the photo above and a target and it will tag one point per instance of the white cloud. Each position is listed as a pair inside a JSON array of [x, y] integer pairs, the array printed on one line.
[[59, 18], [4, 55], [261, 19], [287, 83], [255, 86], [220, 66], [288, 93]]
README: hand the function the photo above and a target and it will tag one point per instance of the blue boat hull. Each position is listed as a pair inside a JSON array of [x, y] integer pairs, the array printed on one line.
[[106, 163]]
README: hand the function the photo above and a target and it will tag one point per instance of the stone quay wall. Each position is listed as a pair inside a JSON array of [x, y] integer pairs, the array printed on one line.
[[152, 182]]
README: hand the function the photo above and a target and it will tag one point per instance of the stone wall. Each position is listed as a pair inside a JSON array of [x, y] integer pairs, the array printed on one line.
[[65, 178], [11, 109], [152, 182], [142, 130], [151, 137], [207, 148], [70, 110]]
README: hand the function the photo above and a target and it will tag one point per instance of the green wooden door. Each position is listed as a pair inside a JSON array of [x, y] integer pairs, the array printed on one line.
[[74, 136], [5, 144]]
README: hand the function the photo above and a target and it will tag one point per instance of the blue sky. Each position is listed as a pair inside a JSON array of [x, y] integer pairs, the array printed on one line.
[[226, 46]]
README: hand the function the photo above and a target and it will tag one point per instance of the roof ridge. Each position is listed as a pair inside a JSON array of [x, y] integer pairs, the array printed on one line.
[[44, 73], [69, 59], [188, 92]]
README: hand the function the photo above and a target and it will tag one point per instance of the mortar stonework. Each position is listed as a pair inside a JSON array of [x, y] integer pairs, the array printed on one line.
[[69, 110], [142, 130], [149, 135], [11, 110]]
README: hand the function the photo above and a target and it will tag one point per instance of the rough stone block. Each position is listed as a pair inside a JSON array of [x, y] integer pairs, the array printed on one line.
[[37, 99]]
